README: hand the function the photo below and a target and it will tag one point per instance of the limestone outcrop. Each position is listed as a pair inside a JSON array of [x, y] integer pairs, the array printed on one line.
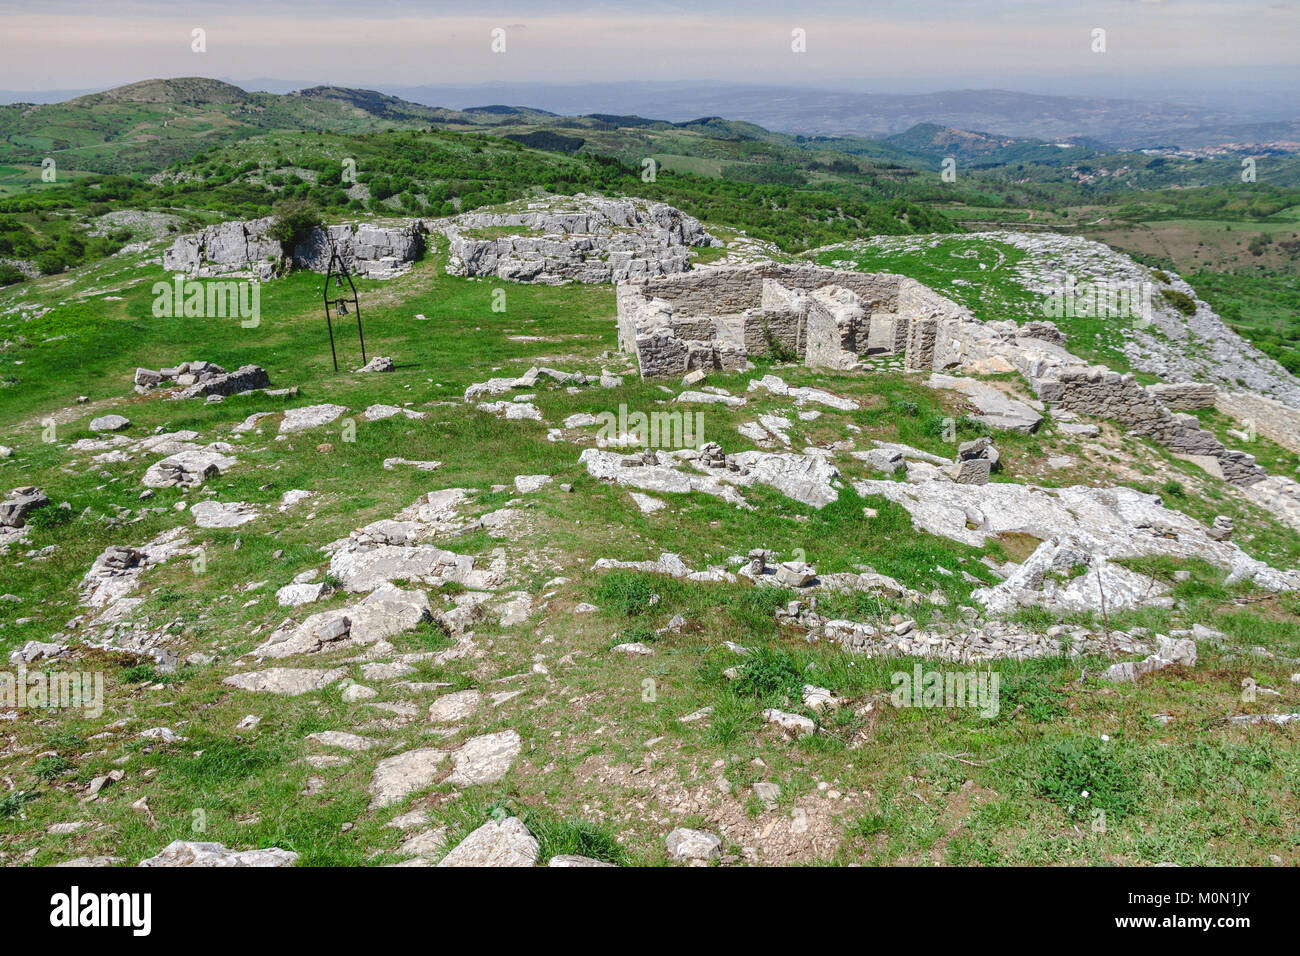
[[574, 239], [372, 251]]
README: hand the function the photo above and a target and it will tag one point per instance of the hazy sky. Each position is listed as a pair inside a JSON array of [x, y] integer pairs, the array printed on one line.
[[905, 44]]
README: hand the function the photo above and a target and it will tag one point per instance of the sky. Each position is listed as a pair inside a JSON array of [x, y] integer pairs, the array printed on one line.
[[896, 46]]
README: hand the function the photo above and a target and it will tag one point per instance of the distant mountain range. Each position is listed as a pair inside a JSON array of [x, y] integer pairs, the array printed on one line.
[[149, 124], [1107, 123], [1113, 123], [146, 126]]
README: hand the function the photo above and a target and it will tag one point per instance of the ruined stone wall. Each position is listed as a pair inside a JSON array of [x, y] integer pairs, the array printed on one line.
[[915, 299], [836, 322], [739, 311], [922, 335], [1270, 418], [681, 322], [899, 330], [1100, 392], [725, 289], [762, 326], [1184, 396], [1037, 351]]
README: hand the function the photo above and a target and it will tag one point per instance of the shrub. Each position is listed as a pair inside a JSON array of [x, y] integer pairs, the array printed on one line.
[[293, 220], [769, 674], [140, 674], [47, 768], [778, 350], [1038, 699], [576, 837], [630, 593], [43, 519], [12, 803], [49, 262], [1181, 301]]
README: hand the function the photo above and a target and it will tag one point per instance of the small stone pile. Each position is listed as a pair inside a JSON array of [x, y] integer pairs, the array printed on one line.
[[791, 574], [20, 503], [181, 472], [975, 461], [202, 378]]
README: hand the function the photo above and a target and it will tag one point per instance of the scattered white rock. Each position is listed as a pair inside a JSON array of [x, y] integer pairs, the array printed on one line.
[[693, 846], [524, 484], [309, 416], [291, 681], [793, 725], [184, 853], [496, 843], [109, 423]]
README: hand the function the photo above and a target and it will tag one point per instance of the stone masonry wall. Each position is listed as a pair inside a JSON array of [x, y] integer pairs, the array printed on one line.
[[1184, 396], [836, 323], [655, 315], [739, 311], [922, 334], [1270, 418], [1106, 394], [763, 326]]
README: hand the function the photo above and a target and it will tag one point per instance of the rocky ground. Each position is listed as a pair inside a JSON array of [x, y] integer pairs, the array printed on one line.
[[454, 610], [1019, 271]]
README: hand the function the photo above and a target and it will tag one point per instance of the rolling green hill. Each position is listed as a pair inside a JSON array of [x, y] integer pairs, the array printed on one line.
[[145, 126]]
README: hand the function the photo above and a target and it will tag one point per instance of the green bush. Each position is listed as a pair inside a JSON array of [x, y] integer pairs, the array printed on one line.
[[293, 220], [769, 675], [12, 803], [1035, 697], [49, 262], [43, 519], [575, 837], [1181, 301], [629, 593], [47, 768]]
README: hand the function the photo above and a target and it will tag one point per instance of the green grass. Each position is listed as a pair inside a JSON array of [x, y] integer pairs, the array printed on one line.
[[607, 767]]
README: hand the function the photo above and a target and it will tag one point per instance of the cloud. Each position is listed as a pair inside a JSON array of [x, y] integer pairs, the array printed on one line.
[[381, 41]]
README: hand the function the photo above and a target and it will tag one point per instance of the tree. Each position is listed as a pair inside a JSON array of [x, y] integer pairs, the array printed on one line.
[[293, 220]]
